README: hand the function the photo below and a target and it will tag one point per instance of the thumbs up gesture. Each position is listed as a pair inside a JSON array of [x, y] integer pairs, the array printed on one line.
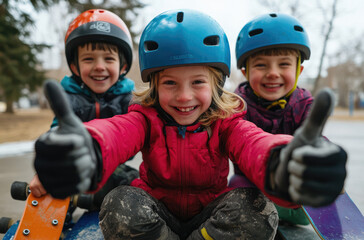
[[311, 169], [65, 158]]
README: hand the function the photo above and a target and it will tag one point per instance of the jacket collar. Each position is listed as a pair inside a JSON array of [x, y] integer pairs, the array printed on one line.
[[74, 84], [182, 129]]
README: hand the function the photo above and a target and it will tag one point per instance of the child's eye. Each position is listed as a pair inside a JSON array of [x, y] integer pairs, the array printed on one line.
[[199, 82], [259, 65], [285, 64], [110, 59], [87, 59], [168, 82]]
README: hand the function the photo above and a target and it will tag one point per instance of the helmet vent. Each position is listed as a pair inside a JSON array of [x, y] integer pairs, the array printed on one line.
[[255, 32], [273, 15], [212, 40], [150, 45], [180, 17], [298, 28]]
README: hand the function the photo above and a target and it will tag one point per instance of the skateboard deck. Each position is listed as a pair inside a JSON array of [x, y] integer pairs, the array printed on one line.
[[296, 232], [43, 218], [339, 220]]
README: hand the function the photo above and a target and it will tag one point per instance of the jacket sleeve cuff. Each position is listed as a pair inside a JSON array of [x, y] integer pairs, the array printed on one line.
[[96, 179]]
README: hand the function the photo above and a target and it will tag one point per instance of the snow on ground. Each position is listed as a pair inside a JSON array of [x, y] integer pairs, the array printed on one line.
[[16, 148], [348, 134]]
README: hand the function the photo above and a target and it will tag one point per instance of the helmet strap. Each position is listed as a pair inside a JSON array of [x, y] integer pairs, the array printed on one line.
[[122, 70], [75, 62], [247, 70], [298, 72], [247, 77], [282, 101]]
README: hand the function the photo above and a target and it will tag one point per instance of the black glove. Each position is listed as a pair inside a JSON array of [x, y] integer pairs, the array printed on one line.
[[310, 170], [65, 158]]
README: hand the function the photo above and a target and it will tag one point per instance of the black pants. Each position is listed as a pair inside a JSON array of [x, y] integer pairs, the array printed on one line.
[[243, 213]]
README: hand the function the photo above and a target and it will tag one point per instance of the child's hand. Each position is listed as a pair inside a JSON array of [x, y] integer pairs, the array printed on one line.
[[317, 173], [65, 158], [311, 168], [36, 187]]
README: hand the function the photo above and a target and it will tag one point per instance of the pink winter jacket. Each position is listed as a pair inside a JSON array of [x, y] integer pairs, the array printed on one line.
[[184, 173]]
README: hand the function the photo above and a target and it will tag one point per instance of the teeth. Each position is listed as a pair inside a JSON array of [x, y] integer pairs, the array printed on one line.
[[271, 85], [99, 78], [186, 109]]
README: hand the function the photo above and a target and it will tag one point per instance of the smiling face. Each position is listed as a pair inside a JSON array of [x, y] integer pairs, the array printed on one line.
[[185, 92], [98, 69], [272, 77]]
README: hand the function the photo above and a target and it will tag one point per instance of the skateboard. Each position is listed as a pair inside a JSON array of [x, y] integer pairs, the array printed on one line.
[[43, 218], [48, 218], [340, 220]]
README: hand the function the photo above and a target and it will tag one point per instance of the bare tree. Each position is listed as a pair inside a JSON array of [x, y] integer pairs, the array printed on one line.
[[277, 6], [329, 27], [347, 73]]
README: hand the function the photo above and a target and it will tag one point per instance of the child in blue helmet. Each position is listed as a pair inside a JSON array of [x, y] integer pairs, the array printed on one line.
[[98, 49], [269, 52], [187, 127]]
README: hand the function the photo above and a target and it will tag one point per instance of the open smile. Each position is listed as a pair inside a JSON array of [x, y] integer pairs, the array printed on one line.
[[185, 109], [270, 85], [100, 78]]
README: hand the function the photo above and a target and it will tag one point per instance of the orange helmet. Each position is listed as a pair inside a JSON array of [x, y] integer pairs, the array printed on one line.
[[98, 25]]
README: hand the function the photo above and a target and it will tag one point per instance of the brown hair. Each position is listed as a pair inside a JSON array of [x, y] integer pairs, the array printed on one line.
[[101, 46], [276, 52]]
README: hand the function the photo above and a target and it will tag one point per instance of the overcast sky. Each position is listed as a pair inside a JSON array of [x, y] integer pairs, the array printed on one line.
[[232, 15]]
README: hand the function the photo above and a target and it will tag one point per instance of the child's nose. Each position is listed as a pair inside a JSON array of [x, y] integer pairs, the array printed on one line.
[[99, 65], [273, 72], [184, 94]]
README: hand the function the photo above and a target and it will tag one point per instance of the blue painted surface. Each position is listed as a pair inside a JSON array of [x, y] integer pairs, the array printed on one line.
[[87, 227], [11, 232]]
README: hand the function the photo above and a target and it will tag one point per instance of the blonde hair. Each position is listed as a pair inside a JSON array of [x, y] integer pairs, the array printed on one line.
[[223, 105]]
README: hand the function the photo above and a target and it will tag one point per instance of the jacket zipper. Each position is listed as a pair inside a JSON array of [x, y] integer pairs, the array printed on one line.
[[181, 156], [97, 109]]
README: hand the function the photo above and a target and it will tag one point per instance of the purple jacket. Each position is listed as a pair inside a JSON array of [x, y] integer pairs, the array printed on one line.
[[282, 121], [277, 121]]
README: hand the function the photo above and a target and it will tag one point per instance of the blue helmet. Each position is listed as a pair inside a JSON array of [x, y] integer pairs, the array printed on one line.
[[270, 31], [182, 38]]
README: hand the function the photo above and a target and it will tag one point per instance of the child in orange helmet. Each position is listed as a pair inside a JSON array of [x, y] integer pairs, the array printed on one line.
[[98, 49]]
